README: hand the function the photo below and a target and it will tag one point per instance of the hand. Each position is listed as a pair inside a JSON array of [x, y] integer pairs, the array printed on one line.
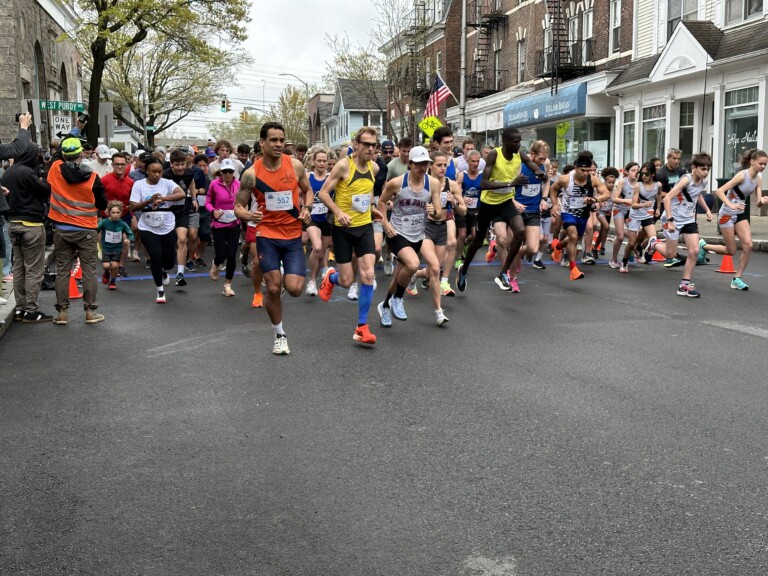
[[671, 226], [450, 198], [156, 199], [556, 209], [5, 190], [520, 207], [657, 213], [217, 214], [343, 219], [709, 216], [521, 180], [541, 175], [430, 209], [305, 215], [25, 120], [734, 207], [543, 205], [194, 205], [389, 230], [256, 216], [589, 200]]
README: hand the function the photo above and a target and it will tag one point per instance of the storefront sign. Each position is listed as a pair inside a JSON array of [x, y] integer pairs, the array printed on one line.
[[544, 108]]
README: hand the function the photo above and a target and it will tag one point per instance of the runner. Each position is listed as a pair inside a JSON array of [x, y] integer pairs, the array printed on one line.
[[274, 180], [413, 195], [352, 180], [117, 186], [319, 229], [152, 196], [732, 219], [202, 182], [469, 180], [621, 196], [116, 236], [680, 216], [529, 201], [220, 203], [501, 175], [580, 191], [444, 138], [641, 213], [184, 178], [604, 211]]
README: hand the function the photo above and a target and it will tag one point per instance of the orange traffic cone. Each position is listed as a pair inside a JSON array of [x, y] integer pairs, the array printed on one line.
[[658, 257], [78, 270], [74, 291], [726, 266]]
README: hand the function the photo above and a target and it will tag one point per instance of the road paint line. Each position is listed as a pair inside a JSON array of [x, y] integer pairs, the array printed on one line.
[[743, 328], [481, 566]]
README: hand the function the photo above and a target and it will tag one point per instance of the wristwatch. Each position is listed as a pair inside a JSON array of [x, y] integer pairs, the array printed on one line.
[[670, 219]]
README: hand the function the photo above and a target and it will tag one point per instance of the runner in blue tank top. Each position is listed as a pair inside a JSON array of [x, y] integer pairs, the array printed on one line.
[[469, 180], [319, 229]]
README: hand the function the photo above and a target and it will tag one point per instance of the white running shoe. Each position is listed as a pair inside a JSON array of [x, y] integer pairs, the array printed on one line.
[[398, 310], [440, 318], [280, 347], [353, 292], [311, 288]]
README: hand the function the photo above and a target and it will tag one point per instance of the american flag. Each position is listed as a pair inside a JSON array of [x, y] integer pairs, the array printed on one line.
[[439, 94]]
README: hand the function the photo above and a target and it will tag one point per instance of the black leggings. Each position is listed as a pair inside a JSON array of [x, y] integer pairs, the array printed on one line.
[[162, 252], [225, 244]]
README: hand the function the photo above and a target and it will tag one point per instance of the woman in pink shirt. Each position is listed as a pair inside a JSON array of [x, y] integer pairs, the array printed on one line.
[[225, 227]]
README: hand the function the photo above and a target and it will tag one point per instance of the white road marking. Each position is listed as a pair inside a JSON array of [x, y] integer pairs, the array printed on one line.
[[743, 328], [481, 566]]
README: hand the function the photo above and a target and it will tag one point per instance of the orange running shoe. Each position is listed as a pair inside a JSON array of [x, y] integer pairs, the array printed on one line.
[[326, 288], [491, 254], [363, 336], [258, 300], [557, 251], [576, 274]]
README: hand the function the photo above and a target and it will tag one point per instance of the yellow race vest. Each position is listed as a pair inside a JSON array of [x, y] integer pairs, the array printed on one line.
[[355, 194], [503, 171]]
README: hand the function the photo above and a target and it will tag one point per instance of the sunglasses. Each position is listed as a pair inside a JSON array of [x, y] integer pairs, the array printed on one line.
[[227, 171], [646, 173]]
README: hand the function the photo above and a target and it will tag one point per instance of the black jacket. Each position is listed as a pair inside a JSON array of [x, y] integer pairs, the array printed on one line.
[[17, 147], [28, 193]]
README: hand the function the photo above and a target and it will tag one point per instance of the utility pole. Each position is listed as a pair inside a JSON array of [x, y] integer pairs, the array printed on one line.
[[463, 81]]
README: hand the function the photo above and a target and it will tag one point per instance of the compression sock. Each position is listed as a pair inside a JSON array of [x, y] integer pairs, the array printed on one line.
[[399, 291], [571, 265], [625, 261], [334, 278], [364, 303], [278, 328], [387, 299]]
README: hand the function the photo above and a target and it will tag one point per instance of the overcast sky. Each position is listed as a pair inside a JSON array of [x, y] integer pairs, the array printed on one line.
[[286, 37]]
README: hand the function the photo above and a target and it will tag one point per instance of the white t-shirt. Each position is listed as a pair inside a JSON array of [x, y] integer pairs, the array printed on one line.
[[156, 221]]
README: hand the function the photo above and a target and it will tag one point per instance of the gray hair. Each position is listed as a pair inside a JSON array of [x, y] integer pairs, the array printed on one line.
[[673, 152]]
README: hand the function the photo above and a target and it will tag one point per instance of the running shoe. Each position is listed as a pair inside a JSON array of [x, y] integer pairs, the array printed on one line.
[[166, 278], [702, 256], [228, 292], [18, 316], [112, 285], [564, 263], [36, 317], [650, 248], [440, 318], [461, 280], [311, 288], [514, 286], [688, 290], [491, 254], [353, 291], [588, 260], [180, 280], [363, 336], [191, 267], [738, 284], [425, 283], [576, 274], [459, 264], [148, 264], [223, 267], [200, 263], [595, 254], [446, 290], [280, 348], [160, 297], [389, 267], [258, 300], [502, 281], [121, 272], [398, 310], [623, 269], [326, 287], [673, 262], [105, 277], [412, 289], [539, 265], [614, 264], [246, 271], [385, 314], [557, 252]]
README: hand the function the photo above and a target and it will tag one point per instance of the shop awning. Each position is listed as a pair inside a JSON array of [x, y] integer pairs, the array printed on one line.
[[543, 107]]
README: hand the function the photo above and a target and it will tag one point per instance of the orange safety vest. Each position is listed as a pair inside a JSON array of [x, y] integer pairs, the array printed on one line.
[[72, 203]]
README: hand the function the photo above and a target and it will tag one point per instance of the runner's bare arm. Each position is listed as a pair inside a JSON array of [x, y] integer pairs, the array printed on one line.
[[243, 199], [340, 172], [303, 178], [461, 207], [601, 188], [434, 186], [390, 191], [532, 165]]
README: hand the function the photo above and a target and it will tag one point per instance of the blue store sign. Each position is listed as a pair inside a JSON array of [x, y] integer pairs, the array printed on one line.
[[543, 108]]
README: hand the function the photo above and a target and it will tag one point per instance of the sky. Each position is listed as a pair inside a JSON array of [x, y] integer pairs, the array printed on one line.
[[285, 37]]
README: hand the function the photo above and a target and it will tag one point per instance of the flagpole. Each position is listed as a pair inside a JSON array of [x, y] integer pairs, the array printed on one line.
[[463, 81]]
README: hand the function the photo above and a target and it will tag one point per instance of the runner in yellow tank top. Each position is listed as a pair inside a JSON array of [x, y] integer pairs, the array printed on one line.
[[497, 203]]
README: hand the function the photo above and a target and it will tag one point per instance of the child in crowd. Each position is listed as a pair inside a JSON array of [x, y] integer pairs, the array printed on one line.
[[115, 234]]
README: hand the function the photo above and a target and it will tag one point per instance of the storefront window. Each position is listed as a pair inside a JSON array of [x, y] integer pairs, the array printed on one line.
[[654, 129], [629, 137], [741, 111], [572, 136], [686, 131]]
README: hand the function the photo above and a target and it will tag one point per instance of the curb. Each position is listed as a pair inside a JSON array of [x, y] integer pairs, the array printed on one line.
[[7, 311]]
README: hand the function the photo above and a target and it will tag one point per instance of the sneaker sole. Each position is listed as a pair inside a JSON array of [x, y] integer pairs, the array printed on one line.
[[361, 343], [501, 285], [43, 321]]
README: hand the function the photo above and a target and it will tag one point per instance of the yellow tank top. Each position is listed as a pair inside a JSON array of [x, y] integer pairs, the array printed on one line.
[[503, 171], [354, 194]]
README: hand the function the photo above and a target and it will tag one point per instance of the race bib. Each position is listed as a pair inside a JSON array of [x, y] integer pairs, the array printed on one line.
[[576, 202], [470, 202], [227, 216], [201, 200], [279, 201], [112, 237], [443, 199], [413, 225], [530, 190], [319, 208], [154, 219], [361, 203]]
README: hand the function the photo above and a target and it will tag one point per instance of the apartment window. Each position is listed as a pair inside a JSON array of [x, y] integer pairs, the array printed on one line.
[[586, 37], [497, 84], [654, 131], [738, 10], [686, 130], [629, 137], [547, 48], [521, 61], [680, 10], [439, 62], [428, 75], [615, 37], [573, 37], [741, 120]]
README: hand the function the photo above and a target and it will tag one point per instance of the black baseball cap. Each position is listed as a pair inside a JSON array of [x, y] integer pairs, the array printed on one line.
[[388, 146]]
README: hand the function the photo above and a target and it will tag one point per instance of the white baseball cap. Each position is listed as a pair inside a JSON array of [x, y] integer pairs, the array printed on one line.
[[227, 164], [419, 154], [102, 151]]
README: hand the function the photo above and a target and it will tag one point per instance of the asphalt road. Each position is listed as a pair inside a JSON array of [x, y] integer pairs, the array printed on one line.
[[598, 427]]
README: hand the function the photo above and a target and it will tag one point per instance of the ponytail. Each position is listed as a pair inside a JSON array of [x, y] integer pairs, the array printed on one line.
[[750, 155]]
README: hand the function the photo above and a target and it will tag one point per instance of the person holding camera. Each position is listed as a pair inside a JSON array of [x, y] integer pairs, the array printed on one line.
[[26, 210], [19, 144]]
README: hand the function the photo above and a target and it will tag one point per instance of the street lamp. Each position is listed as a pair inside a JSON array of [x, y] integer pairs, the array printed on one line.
[[306, 90]]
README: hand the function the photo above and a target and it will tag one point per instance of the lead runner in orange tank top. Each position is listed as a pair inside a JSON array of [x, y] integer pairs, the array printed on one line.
[[274, 182]]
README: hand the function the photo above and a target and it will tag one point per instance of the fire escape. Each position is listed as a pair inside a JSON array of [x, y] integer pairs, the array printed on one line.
[[567, 56], [412, 81], [487, 17]]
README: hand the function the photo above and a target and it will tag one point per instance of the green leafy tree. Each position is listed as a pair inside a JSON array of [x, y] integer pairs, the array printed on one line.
[[291, 111], [109, 28], [238, 130]]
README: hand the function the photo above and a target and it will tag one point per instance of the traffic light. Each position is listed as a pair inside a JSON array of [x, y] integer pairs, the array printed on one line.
[[229, 105], [223, 104], [244, 116]]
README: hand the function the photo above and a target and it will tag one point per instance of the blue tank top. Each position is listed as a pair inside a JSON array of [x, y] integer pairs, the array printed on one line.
[[470, 189], [319, 210], [530, 194], [450, 172]]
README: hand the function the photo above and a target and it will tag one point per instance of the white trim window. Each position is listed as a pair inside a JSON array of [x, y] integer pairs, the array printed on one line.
[[521, 49], [629, 137], [548, 48], [678, 10], [614, 40], [654, 131], [739, 10], [586, 36]]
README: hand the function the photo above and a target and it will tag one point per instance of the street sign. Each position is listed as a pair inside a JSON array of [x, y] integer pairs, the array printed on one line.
[[62, 124], [61, 105], [150, 128], [429, 124]]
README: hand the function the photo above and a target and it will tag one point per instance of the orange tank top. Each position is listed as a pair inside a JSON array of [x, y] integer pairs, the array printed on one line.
[[277, 194]]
